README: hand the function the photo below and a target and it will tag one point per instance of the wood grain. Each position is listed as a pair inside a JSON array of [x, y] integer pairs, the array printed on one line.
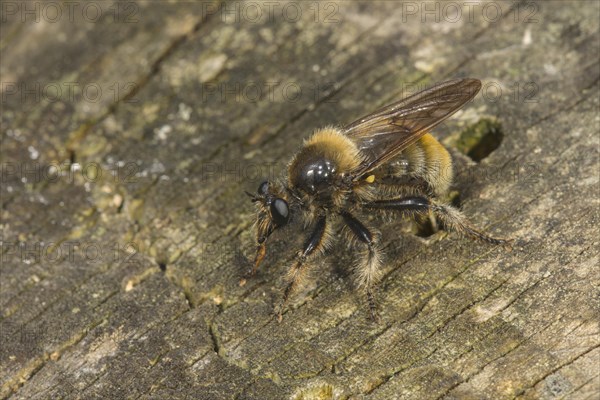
[[119, 277]]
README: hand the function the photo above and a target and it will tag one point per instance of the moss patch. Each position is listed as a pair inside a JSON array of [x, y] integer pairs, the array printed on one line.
[[479, 140]]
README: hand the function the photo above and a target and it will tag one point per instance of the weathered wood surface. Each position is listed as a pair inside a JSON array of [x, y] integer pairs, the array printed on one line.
[[125, 285]]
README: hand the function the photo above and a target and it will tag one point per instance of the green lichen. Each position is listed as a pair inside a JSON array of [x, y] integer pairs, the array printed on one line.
[[479, 140]]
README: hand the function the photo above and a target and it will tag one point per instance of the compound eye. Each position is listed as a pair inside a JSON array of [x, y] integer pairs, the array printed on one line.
[[263, 188], [280, 212]]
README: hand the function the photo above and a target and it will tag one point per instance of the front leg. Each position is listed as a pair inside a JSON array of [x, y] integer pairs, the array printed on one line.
[[316, 243], [261, 248], [264, 229]]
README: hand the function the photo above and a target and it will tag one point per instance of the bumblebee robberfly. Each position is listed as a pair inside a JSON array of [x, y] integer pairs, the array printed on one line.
[[385, 162]]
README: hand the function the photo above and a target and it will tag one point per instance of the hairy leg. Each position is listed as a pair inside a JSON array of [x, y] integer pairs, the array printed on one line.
[[451, 217], [263, 231], [369, 269], [314, 244]]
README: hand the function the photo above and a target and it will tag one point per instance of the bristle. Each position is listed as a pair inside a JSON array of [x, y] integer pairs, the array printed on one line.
[[339, 147], [368, 268], [416, 159], [300, 271], [454, 220], [429, 160]]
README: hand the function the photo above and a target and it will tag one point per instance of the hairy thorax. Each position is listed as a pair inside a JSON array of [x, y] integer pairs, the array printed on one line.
[[319, 170]]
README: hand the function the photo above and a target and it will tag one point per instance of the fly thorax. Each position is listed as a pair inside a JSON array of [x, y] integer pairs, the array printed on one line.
[[312, 172]]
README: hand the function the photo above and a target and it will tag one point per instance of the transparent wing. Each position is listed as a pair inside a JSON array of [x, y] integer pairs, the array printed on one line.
[[386, 132]]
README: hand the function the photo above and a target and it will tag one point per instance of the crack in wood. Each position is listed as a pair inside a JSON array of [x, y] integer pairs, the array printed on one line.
[[556, 369]]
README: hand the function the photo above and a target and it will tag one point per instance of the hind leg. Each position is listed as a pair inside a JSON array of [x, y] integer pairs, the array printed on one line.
[[451, 217]]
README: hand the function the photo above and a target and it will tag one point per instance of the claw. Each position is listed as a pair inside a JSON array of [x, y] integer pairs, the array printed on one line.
[[375, 317], [372, 307], [278, 313], [508, 244], [261, 251]]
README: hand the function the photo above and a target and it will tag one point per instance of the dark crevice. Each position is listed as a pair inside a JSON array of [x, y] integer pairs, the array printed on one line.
[[479, 140], [454, 199], [183, 284], [427, 226], [189, 299], [72, 157], [212, 330], [121, 206]]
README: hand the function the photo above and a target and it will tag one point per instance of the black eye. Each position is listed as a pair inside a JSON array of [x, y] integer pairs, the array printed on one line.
[[263, 188], [280, 212]]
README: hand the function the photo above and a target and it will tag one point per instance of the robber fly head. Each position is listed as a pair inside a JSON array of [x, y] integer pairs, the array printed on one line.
[[273, 208]]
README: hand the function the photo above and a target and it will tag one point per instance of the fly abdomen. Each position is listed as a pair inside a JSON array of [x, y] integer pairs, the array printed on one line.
[[428, 160]]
